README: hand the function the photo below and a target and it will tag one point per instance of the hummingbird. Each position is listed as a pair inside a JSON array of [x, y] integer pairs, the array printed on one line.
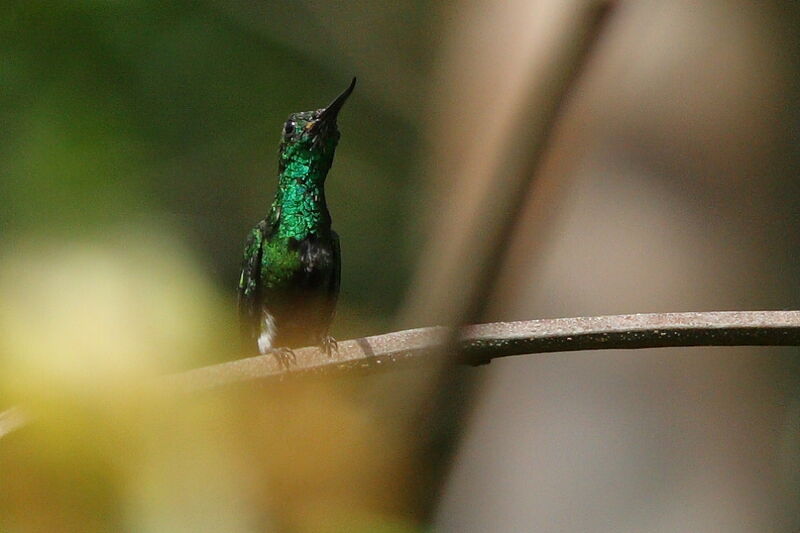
[[292, 264]]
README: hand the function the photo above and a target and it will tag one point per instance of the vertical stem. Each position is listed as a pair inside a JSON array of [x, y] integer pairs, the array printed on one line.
[[465, 250]]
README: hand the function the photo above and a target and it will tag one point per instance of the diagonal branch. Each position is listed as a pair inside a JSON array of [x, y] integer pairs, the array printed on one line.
[[484, 342]]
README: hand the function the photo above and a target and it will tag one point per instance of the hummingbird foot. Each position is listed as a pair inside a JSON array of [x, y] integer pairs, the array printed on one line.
[[329, 345], [285, 357]]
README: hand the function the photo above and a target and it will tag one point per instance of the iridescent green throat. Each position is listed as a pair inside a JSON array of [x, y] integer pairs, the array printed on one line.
[[299, 209]]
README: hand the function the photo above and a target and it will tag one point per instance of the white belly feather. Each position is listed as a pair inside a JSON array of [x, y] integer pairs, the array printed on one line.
[[268, 332]]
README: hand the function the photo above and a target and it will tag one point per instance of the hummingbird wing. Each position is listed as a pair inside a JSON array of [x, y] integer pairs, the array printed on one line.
[[249, 290]]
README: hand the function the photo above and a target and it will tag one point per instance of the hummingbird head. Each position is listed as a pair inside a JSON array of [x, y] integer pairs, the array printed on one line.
[[313, 134]]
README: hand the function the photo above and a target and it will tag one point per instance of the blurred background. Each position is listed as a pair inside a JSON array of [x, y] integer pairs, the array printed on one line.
[[139, 144]]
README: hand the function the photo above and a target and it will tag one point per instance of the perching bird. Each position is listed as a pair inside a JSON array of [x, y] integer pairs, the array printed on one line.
[[291, 269]]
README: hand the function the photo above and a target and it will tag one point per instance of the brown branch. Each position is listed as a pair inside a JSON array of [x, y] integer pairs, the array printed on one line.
[[484, 342]]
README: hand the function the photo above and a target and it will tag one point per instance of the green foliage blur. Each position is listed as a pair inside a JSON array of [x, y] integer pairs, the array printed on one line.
[[120, 114]]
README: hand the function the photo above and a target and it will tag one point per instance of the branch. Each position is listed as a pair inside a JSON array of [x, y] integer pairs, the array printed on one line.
[[484, 342]]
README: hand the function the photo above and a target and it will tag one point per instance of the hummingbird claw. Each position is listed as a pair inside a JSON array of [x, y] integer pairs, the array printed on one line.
[[285, 357], [329, 345]]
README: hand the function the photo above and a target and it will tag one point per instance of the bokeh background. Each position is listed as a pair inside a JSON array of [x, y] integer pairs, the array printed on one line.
[[138, 145]]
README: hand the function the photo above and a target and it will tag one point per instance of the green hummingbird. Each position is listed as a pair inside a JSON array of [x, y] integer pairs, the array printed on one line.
[[292, 264]]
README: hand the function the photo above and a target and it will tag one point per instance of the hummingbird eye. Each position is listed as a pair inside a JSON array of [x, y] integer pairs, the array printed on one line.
[[288, 128]]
